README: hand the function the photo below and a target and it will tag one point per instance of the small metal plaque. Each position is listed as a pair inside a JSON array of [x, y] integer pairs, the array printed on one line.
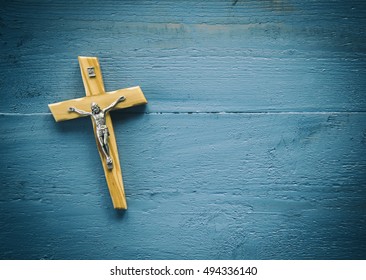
[[91, 72]]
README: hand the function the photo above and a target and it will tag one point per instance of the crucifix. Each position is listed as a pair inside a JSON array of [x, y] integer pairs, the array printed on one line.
[[97, 105]]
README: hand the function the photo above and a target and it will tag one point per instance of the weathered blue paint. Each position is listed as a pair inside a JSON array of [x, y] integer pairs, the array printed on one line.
[[252, 146]]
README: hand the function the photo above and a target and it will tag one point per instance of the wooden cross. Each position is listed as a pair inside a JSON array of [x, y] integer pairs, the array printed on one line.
[[95, 92]]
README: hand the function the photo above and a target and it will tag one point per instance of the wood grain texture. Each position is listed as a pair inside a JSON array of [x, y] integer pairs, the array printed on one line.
[[252, 146], [270, 55], [238, 186]]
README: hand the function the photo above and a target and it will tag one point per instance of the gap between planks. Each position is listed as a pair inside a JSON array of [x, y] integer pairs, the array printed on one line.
[[216, 113]]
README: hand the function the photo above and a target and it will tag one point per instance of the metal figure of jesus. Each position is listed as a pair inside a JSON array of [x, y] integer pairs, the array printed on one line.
[[98, 117]]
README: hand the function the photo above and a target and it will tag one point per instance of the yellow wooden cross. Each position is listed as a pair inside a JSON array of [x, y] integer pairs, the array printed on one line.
[[95, 93]]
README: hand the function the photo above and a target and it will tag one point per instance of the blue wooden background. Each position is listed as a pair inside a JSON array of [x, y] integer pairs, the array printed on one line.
[[252, 146]]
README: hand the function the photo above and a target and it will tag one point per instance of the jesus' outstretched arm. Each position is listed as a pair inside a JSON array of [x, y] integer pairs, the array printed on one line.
[[80, 112], [110, 107]]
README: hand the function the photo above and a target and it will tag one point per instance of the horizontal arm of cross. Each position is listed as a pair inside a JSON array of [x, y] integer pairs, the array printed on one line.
[[133, 95]]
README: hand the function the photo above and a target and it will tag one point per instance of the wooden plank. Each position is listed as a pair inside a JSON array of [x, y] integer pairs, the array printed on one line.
[[209, 186], [252, 56]]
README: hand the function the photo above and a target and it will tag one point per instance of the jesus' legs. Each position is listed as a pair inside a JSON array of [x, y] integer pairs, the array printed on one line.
[[103, 142]]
